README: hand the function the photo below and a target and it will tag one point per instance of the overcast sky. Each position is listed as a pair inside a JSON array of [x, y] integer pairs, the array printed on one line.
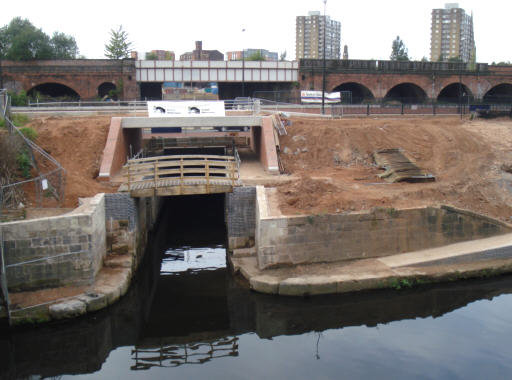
[[367, 27]]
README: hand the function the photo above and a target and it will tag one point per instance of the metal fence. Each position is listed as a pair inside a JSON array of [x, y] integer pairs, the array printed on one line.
[[46, 187]]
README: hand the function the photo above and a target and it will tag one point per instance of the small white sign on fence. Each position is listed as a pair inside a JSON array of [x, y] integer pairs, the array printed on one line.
[[44, 184], [316, 97]]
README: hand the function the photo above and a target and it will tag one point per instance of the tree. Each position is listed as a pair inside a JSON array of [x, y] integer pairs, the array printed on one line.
[[64, 46], [282, 56], [398, 50], [455, 59], [151, 56], [118, 47], [22, 41], [256, 56]]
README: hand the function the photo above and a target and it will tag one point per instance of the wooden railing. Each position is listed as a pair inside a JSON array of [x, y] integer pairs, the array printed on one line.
[[184, 174]]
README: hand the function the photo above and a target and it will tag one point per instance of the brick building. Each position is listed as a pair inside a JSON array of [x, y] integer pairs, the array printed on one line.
[[202, 55]]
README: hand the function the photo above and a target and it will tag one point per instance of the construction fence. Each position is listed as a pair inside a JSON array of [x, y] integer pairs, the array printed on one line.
[[45, 177]]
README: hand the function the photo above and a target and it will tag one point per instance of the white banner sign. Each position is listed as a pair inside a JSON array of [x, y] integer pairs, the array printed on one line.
[[185, 108], [316, 97]]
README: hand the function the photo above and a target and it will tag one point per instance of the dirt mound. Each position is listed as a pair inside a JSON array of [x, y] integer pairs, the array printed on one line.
[[466, 157], [77, 144]]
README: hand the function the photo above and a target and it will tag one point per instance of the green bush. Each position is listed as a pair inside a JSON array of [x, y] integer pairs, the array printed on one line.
[[18, 99], [29, 133], [24, 163]]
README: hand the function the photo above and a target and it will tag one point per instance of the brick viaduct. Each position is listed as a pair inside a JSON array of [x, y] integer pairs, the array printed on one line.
[[366, 79], [86, 78], [420, 80]]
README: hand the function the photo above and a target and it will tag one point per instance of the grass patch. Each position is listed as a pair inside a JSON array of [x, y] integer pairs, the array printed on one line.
[[29, 133]]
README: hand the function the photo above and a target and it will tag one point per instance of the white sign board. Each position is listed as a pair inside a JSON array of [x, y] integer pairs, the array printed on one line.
[[186, 108], [316, 97]]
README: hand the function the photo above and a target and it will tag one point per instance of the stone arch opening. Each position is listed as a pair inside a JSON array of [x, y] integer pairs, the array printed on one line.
[[455, 93], [53, 91], [105, 89], [406, 93], [359, 93], [501, 93]]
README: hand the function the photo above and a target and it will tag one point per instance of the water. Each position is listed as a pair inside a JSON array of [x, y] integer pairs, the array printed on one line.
[[196, 324]]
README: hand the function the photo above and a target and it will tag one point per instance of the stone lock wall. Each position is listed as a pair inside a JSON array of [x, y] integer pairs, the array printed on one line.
[[241, 217], [382, 232], [56, 251]]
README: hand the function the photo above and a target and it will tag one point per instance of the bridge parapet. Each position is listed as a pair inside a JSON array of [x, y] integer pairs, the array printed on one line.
[[379, 66], [70, 66]]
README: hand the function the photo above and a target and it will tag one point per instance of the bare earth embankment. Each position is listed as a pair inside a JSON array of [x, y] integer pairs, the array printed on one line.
[[333, 159]]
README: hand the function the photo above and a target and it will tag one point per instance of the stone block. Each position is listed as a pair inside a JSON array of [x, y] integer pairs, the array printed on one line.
[[296, 286], [68, 309], [93, 301], [264, 284]]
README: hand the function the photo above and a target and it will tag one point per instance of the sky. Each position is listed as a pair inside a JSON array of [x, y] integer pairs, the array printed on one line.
[[367, 27]]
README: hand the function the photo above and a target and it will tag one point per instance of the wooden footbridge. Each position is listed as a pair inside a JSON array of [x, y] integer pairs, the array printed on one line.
[[181, 175]]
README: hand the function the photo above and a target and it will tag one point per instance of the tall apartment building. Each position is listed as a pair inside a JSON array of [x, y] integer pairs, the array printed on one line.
[[309, 37], [452, 34]]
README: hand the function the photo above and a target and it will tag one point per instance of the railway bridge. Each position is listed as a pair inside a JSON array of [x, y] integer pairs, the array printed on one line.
[[365, 80]]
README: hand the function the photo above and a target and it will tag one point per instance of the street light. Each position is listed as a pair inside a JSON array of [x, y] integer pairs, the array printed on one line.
[[323, 62], [243, 67]]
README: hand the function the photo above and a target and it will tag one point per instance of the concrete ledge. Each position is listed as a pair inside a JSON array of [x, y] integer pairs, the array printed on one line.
[[397, 271], [193, 122]]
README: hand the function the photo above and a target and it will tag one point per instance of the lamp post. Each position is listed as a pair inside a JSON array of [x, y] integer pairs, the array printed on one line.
[[243, 68], [323, 62]]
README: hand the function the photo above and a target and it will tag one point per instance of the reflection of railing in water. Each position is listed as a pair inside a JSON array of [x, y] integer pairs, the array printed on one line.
[[190, 353]]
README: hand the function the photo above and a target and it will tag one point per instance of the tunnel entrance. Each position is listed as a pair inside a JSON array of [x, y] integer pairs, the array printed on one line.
[[408, 93], [360, 93], [501, 93], [455, 93], [183, 216], [151, 90], [53, 90]]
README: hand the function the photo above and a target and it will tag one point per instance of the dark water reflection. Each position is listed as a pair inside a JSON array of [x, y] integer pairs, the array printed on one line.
[[207, 324]]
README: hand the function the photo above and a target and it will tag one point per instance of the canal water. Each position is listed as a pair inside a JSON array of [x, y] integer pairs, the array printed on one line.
[[187, 317]]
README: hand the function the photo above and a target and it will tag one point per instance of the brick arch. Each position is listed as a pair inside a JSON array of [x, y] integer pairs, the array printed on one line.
[[104, 87], [54, 88], [30, 83], [444, 93], [359, 91], [501, 92], [407, 92]]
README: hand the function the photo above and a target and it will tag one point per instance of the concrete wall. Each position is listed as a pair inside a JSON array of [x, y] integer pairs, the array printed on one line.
[[241, 217], [264, 144], [117, 148], [382, 232], [56, 251]]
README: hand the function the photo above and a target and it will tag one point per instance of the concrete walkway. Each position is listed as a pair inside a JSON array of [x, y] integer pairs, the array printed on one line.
[[477, 258]]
